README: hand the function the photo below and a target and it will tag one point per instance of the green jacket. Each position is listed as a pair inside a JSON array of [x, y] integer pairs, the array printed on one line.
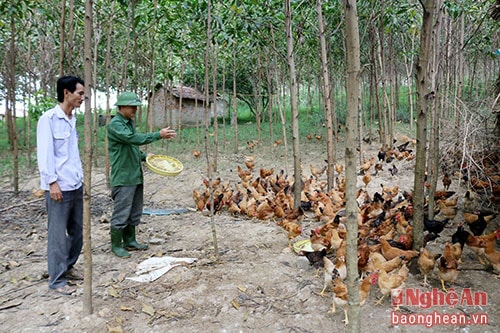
[[124, 154]]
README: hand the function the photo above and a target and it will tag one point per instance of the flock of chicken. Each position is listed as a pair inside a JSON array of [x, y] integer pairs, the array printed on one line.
[[385, 237]]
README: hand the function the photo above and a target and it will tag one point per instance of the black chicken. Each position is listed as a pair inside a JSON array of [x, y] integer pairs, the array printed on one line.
[[477, 227], [315, 258], [397, 244], [434, 226], [402, 147], [218, 203], [460, 236], [393, 170], [377, 197], [381, 155], [378, 220], [428, 237]]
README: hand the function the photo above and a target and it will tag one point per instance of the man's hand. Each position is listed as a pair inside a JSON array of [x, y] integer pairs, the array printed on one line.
[[55, 192], [167, 133]]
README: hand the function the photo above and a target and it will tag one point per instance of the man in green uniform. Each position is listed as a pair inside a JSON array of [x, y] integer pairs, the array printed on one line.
[[126, 177]]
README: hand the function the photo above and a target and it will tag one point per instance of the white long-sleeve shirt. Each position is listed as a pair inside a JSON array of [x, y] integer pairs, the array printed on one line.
[[57, 151]]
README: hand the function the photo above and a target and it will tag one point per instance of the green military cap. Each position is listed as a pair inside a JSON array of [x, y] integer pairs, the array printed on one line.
[[128, 98]]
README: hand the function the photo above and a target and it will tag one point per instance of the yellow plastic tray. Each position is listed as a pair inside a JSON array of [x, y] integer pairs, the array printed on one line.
[[164, 165], [302, 245]]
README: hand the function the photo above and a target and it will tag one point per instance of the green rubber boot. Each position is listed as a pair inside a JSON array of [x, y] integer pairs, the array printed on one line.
[[129, 241], [116, 243]]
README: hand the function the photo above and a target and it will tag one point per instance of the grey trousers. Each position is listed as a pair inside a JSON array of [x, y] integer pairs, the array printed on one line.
[[64, 239], [128, 204]]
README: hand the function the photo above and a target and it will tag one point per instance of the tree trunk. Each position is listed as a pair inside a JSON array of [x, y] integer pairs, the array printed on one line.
[[207, 121], [270, 94], [423, 97], [87, 176], [124, 76], [234, 121], [294, 106], [326, 100], [214, 109], [409, 68], [384, 129], [279, 101], [392, 87], [460, 70], [376, 96], [97, 38], [435, 111], [353, 97], [11, 106], [108, 84], [62, 35], [71, 38]]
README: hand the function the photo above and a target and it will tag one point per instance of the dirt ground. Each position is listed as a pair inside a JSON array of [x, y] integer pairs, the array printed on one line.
[[257, 285]]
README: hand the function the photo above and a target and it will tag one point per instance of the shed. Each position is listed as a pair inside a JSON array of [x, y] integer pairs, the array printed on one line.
[[166, 105]]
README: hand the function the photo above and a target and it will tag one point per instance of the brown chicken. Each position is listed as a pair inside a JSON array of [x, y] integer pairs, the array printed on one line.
[[318, 242], [317, 172], [390, 252], [334, 238], [456, 251], [387, 282], [339, 168], [363, 255], [493, 255], [252, 144], [425, 263], [378, 167], [479, 184], [265, 210], [264, 173], [449, 212], [328, 267], [196, 153], [478, 244], [367, 178], [446, 181], [215, 183], [251, 207], [447, 266], [245, 175], [200, 199], [340, 268], [250, 162], [380, 263], [292, 228], [340, 296], [233, 208], [294, 214], [366, 165], [451, 202]]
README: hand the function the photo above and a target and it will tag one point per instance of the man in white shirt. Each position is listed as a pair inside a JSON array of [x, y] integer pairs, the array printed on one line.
[[61, 177]]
